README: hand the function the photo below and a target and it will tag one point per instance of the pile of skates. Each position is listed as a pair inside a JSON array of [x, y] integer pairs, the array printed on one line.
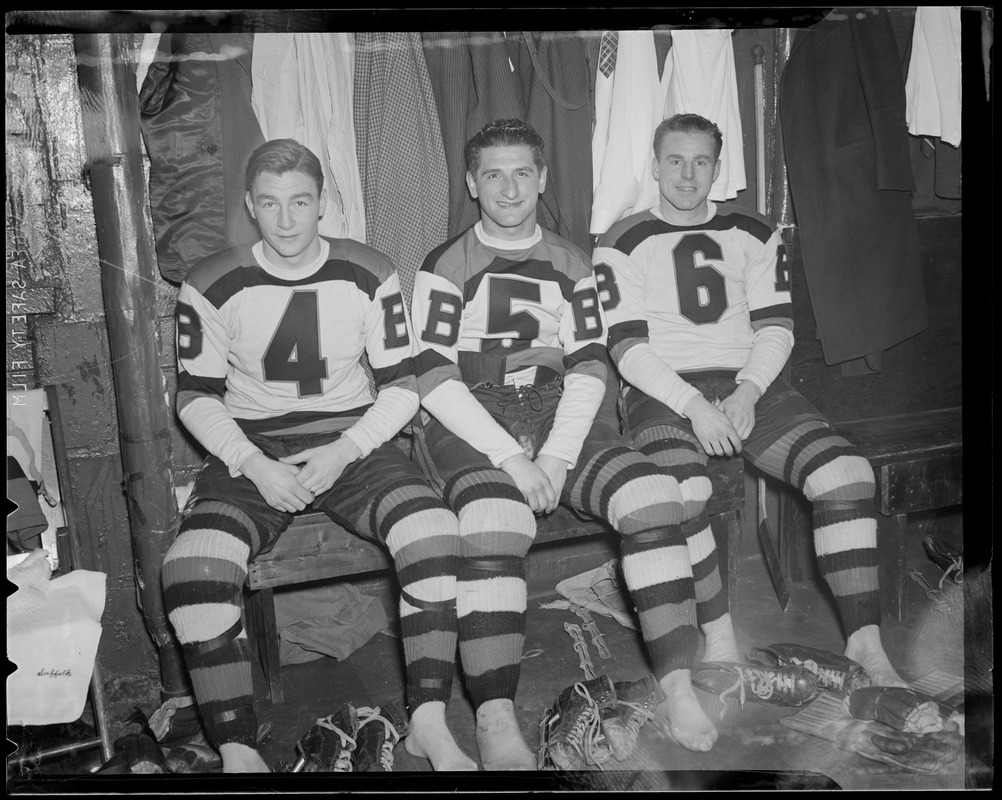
[[596, 722], [352, 739]]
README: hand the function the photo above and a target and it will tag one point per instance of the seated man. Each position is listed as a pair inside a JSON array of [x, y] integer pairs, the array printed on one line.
[[270, 382], [700, 329], [512, 370]]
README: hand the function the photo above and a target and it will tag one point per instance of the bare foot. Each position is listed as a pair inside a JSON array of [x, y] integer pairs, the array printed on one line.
[[430, 738], [687, 722], [721, 644], [864, 647], [502, 746], [241, 758]]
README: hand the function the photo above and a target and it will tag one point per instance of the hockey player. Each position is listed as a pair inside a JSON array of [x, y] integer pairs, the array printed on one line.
[[512, 371], [700, 327], [270, 382]]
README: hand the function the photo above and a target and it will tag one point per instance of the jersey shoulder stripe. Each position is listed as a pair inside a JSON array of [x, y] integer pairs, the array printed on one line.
[[544, 267], [621, 228], [217, 266], [236, 280], [559, 243], [435, 256], [221, 277], [361, 255], [465, 262], [628, 234], [745, 219]]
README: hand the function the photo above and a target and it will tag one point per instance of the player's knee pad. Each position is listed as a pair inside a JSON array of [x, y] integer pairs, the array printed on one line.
[[845, 478], [499, 524], [683, 459], [214, 529], [668, 446], [648, 502], [426, 534], [204, 572]]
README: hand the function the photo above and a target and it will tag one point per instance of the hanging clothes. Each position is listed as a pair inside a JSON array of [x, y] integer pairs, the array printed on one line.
[[629, 104], [199, 129], [473, 84], [636, 87], [936, 165], [399, 148], [933, 87], [703, 81], [555, 77], [842, 106], [540, 77], [302, 89]]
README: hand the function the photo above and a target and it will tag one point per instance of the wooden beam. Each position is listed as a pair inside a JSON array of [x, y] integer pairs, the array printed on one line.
[[110, 111]]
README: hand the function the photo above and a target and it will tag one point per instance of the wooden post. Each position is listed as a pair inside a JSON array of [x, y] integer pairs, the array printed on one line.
[[110, 110]]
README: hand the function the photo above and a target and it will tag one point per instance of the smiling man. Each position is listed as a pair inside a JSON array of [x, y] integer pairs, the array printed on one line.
[[512, 369], [700, 329], [270, 341]]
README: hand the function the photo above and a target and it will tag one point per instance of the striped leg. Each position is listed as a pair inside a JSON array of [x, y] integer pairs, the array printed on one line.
[[422, 536], [680, 455], [496, 528], [839, 483], [203, 576], [644, 506]]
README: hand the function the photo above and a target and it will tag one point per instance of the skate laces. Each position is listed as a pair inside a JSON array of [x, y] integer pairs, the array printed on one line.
[[957, 569], [763, 684], [391, 737], [343, 762], [940, 603], [644, 713], [829, 676], [587, 729]]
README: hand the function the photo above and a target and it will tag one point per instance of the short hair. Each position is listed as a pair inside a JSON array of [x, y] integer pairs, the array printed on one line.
[[284, 155], [688, 123], [501, 133]]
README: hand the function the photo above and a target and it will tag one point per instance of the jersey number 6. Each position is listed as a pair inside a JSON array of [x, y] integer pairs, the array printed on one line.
[[702, 291]]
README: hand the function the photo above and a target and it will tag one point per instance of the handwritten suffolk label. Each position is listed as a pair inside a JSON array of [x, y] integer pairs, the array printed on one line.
[[55, 673]]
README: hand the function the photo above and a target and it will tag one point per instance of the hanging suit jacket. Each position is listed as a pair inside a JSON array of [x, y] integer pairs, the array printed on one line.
[[200, 129], [842, 107], [542, 78]]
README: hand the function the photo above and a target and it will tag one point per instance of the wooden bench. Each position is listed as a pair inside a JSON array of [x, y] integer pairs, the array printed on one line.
[[917, 461], [314, 548]]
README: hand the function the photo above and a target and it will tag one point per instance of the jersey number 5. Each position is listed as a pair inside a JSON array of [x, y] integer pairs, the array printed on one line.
[[294, 352], [702, 291]]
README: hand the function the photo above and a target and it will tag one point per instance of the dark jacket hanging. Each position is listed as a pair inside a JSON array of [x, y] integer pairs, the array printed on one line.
[[842, 108], [542, 78], [200, 129]]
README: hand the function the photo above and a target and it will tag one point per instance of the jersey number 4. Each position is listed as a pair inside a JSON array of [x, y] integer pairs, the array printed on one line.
[[294, 352]]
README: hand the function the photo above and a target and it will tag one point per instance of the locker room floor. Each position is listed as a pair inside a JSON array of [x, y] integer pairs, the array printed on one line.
[[754, 750]]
